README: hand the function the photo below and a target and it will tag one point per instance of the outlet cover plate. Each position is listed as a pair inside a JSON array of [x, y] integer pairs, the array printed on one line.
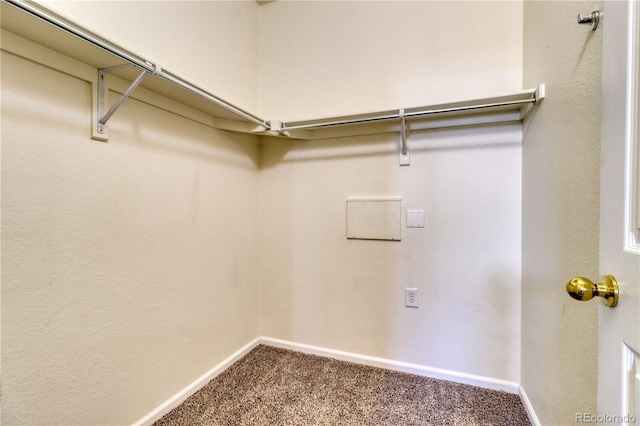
[[415, 218], [411, 297]]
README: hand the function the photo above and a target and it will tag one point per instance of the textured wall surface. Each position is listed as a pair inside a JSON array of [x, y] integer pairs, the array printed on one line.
[[561, 159], [322, 59], [319, 288], [129, 268]]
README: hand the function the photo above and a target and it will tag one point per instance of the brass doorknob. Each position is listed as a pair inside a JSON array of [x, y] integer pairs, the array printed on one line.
[[581, 288]]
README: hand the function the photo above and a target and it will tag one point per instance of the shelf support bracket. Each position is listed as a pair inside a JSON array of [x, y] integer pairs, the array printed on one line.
[[539, 94], [103, 117], [404, 145]]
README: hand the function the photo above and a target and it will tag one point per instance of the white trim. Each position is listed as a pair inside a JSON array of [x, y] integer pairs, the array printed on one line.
[[529, 408], [405, 367], [199, 383], [632, 134]]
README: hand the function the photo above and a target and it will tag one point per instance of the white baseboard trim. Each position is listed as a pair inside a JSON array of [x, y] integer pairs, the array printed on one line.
[[185, 393], [527, 405], [405, 367]]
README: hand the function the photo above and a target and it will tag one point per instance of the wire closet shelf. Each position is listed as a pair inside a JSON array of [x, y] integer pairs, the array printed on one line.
[[273, 127]]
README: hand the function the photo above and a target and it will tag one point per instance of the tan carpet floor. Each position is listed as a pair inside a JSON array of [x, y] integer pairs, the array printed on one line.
[[271, 386]]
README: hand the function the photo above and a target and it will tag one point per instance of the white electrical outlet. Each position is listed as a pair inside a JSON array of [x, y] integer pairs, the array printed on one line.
[[411, 297]]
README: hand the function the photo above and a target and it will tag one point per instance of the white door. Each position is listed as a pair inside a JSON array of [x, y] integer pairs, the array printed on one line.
[[619, 327]]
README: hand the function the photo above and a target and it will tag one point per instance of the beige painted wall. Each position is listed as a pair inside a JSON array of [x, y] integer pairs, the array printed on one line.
[[124, 263], [319, 288], [561, 159], [324, 59], [129, 268]]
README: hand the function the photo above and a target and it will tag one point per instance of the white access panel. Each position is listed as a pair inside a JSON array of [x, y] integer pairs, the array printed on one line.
[[374, 219]]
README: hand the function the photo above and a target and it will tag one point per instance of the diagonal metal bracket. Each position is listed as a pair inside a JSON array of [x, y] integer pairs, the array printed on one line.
[[103, 117]]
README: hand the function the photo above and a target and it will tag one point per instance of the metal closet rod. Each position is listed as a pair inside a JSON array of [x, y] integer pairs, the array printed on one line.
[[267, 125], [396, 116], [133, 59]]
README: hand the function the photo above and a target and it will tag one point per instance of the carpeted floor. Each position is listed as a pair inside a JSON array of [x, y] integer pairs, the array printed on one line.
[[271, 386]]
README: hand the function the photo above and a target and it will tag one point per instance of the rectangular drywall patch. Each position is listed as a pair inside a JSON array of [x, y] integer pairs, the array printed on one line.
[[374, 219]]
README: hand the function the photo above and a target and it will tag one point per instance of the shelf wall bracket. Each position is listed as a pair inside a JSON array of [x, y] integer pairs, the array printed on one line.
[[404, 145], [103, 117], [539, 94]]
